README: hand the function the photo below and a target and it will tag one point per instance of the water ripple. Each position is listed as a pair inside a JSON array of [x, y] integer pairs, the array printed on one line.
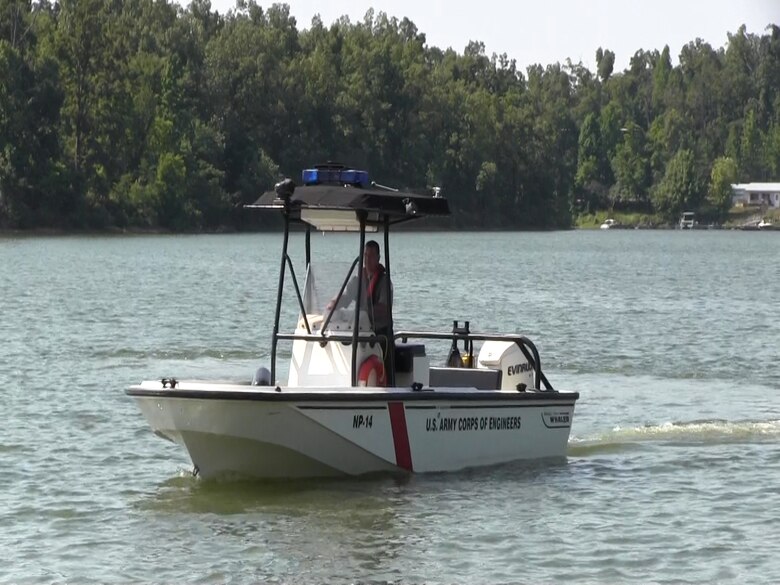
[[671, 465]]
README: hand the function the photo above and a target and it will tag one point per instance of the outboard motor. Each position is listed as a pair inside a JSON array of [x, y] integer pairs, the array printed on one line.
[[262, 377], [507, 357]]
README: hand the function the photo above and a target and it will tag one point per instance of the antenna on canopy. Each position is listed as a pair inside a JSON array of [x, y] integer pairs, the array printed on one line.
[[383, 187]]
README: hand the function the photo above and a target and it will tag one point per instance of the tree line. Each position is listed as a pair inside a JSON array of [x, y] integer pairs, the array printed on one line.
[[141, 113]]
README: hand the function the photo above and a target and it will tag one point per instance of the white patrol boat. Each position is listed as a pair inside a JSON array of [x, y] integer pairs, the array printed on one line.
[[339, 412]]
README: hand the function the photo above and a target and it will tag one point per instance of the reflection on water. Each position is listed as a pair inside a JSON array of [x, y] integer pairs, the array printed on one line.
[[370, 524], [189, 494], [326, 497]]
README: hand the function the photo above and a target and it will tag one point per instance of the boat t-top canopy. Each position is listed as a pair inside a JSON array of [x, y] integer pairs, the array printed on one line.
[[334, 198]]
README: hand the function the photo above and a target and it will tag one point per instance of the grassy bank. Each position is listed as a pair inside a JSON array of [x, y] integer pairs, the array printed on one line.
[[736, 217], [739, 215], [641, 220]]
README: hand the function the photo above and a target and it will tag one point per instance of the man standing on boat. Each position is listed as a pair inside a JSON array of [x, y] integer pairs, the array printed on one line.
[[377, 290]]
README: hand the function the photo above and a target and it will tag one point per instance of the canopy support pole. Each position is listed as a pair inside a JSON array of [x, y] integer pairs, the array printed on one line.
[[390, 345], [279, 291], [359, 300]]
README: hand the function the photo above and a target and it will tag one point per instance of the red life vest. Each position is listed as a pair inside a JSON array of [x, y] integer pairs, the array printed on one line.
[[373, 288]]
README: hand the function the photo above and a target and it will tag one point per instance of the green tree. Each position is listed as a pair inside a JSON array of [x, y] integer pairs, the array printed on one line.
[[679, 189], [630, 165], [661, 74], [772, 149], [589, 151], [723, 175], [32, 184], [750, 149], [605, 62], [668, 133], [593, 172]]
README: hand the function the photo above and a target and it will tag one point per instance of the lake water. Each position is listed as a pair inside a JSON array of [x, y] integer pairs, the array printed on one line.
[[673, 471]]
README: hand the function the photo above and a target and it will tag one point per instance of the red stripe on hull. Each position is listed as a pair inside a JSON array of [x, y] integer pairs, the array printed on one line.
[[403, 454]]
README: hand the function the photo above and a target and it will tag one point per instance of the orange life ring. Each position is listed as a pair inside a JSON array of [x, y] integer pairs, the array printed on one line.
[[372, 364]]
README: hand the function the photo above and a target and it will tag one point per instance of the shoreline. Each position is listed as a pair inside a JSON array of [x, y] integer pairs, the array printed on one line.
[[62, 232], [52, 233]]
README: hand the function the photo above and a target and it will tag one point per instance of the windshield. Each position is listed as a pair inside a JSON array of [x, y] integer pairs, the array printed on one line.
[[321, 290]]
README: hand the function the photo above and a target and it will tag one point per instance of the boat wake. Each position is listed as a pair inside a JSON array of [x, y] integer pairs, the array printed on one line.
[[704, 432]]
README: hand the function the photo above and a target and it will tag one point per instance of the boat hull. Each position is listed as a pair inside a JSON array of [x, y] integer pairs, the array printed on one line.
[[231, 429]]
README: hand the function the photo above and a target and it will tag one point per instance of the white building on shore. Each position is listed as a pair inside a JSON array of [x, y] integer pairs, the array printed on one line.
[[759, 194]]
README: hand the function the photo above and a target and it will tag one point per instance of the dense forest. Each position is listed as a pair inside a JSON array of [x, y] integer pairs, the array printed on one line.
[[140, 113]]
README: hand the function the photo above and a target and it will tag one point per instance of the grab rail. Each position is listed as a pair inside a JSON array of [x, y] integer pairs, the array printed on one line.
[[324, 338], [526, 346], [522, 342]]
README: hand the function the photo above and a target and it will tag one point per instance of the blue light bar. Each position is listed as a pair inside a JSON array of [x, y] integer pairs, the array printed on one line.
[[335, 177]]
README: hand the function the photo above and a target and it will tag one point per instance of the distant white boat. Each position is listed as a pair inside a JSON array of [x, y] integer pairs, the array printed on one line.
[[687, 220], [766, 224], [609, 224]]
